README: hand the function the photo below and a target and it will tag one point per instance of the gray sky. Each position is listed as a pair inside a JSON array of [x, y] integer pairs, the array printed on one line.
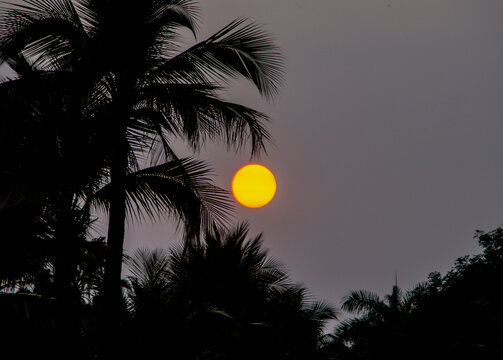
[[388, 138]]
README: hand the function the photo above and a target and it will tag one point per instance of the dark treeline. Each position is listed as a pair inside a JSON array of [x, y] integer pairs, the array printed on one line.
[[96, 95], [224, 298], [455, 316]]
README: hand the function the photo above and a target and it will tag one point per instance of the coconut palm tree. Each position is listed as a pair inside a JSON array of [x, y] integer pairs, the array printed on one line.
[[141, 91], [223, 297], [50, 175], [382, 324], [49, 212]]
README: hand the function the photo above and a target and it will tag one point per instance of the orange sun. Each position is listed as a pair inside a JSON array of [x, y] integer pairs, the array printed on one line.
[[253, 185]]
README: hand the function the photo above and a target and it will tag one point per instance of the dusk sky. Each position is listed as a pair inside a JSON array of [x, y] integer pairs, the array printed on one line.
[[388, 138]]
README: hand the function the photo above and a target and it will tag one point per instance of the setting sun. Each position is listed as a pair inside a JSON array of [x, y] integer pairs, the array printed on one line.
[[253, 186]]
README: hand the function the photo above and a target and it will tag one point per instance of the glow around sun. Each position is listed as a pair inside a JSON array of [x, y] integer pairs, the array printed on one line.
[[253, 185]]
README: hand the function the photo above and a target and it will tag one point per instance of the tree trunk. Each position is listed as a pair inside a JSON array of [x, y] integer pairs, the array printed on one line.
[[116, 222], [116, 231], [112, 290]]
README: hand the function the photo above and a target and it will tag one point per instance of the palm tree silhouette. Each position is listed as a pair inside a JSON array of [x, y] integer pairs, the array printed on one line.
[[49, 179], [223, 297], [140, 91], [51, 165], [381, 328]]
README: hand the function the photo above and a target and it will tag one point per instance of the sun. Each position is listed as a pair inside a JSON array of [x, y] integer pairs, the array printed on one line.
[[253, 185]]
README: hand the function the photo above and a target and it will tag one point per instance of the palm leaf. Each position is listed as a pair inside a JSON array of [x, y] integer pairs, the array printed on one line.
[[236, 50], [178, 189], [46, 31], [362, 301], [149, 267], [322, 311], [193, 112], [166, 15]]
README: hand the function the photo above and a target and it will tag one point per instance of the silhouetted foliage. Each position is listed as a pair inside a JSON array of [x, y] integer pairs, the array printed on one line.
[[51, 166], [138, 92], [457, 316], [32, 327], [222, 298], [98, 86]]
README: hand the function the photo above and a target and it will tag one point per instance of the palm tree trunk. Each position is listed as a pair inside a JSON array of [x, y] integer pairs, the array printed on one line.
[[116, 231], [117, 211], [116, 224], [115, 242], [113, 264]]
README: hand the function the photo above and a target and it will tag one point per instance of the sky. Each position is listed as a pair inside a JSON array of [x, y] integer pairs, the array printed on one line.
[[387, 138]]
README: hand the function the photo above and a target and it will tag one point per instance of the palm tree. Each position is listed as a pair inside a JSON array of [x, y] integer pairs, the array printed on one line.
[[41, 183], [381, 326], [140, 92], [50, 176], [43, 200], [225, 297]]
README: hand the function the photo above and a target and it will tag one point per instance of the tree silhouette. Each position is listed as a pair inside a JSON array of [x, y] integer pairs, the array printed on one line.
[[51, 165], [223, 298], [455, 316], [142, 91], [380, 330]]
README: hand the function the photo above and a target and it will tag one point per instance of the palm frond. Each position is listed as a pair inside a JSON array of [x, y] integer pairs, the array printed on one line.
[[46, 31], [415, 298], [362, 301], [149, 266], [176, 189], [165, 15], [195, 113], [238, 49], [353, 329], [322, 311]]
